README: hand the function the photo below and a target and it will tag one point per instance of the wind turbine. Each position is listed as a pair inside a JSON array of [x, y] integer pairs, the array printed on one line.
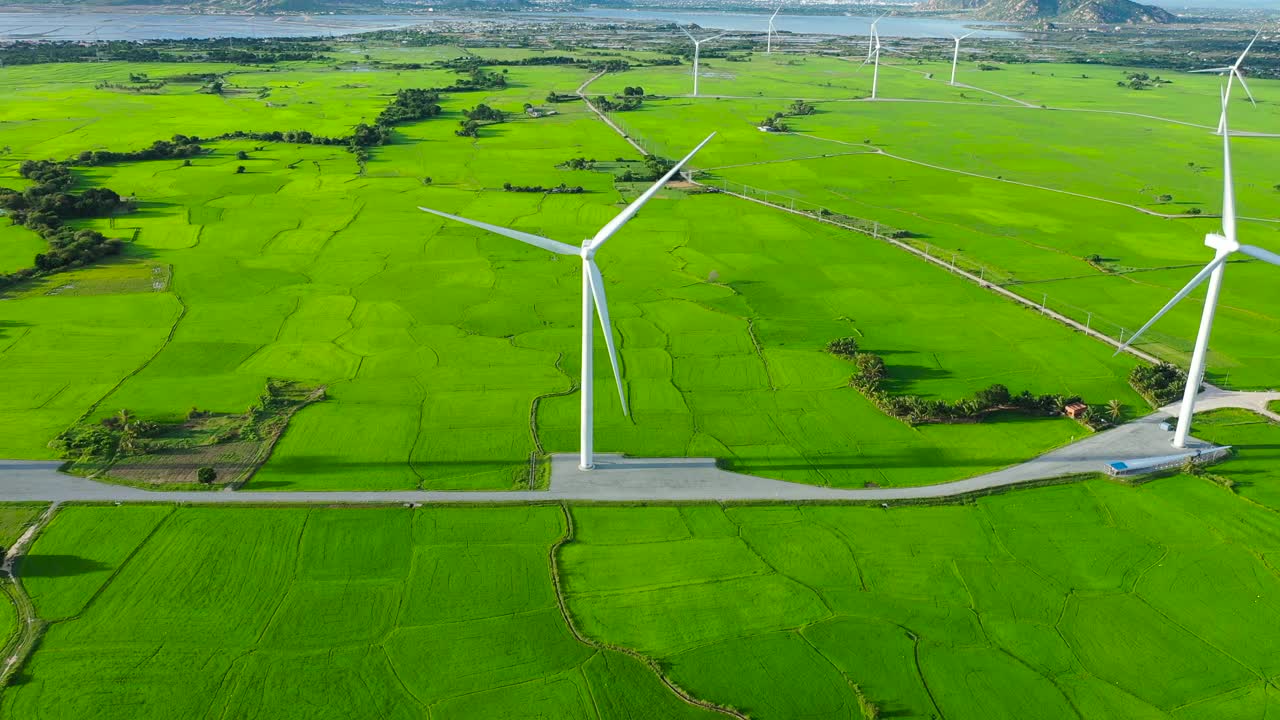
[[1224, 245], [1232, 72], [772, 31], [873, 55], [697, 47], [592, 290], [955, 57]]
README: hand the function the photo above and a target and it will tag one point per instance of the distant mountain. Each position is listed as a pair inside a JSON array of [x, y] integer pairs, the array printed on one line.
[[1095, 12]]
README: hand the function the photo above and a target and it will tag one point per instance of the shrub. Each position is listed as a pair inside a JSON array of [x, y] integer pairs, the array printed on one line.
[[206, 475]]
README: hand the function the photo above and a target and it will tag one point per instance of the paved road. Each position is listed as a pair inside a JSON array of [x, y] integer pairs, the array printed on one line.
[[621, 479]]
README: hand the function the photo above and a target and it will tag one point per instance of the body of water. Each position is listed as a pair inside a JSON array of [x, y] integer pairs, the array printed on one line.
[[923, 27], [22, 25]]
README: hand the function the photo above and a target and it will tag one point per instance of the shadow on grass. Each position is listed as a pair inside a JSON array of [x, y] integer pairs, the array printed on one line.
[[57, 565]]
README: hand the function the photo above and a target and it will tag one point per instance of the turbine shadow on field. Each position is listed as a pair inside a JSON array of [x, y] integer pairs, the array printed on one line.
[[901, 377], [57, 565]]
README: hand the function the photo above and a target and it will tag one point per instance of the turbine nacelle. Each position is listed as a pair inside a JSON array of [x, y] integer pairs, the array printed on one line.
[[1223, 244]]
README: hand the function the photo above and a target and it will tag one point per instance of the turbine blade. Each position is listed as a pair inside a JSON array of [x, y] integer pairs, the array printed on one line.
[[1243, 85], [630, 211], [1248, 48], [602, 310], [775, 13], [1214, 70], [1228, 184], [969, 34], [714, 37], [1186, 290], [686, 32], [1261, 254], [554, 246]]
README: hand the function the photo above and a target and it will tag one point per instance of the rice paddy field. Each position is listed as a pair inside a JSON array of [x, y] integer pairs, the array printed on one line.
[[450, 356], [1085, 600]]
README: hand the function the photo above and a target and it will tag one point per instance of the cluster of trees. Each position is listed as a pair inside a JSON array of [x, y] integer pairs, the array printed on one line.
[[561, 189], [555, 97], [45, 205], [609, 66], [300, 137], [629, 102], [1159, 384], [410, 104], [480, 79], [1141, 81], [629, 91], [800, 107], [68, 51], [119, 434], [480, 114], [654, 168], [484, 113], [775, 123], [179, 147], [871, 373], [132, 87], [579, 163]]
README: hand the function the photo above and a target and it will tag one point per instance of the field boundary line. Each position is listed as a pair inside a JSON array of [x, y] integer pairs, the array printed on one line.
[[30, 627], [173, 330], [120, 568], [569, 535], [992, 178], [540, 451]]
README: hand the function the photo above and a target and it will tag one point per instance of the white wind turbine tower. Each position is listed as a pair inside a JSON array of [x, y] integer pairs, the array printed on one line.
[[592, 294], [1232, 72], [955, 57], [697, 48], [1224, 245], [772, 31], [873, 55]]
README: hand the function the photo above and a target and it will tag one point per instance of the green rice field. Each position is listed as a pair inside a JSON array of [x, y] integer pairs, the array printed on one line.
[[450, 356], [1093, 599]]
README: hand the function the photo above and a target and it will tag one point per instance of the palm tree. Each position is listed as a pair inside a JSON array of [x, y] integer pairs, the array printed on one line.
[[128, 431], [1115, 409]]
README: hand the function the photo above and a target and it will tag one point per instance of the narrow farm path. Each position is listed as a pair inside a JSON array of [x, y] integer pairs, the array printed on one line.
[[29, 624]]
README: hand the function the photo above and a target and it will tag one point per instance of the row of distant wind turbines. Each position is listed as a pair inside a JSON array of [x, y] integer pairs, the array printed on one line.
[[873, 51], [595, 305]]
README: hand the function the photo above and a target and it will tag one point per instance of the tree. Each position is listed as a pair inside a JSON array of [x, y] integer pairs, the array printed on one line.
[[128, 429], [1115, 409], [206, 475], [995, 396], [240, 170], [242, 155]]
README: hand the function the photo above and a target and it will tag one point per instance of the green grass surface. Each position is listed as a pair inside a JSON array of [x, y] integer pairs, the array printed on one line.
[[14, 520], [1096, 599], [435, 340]]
